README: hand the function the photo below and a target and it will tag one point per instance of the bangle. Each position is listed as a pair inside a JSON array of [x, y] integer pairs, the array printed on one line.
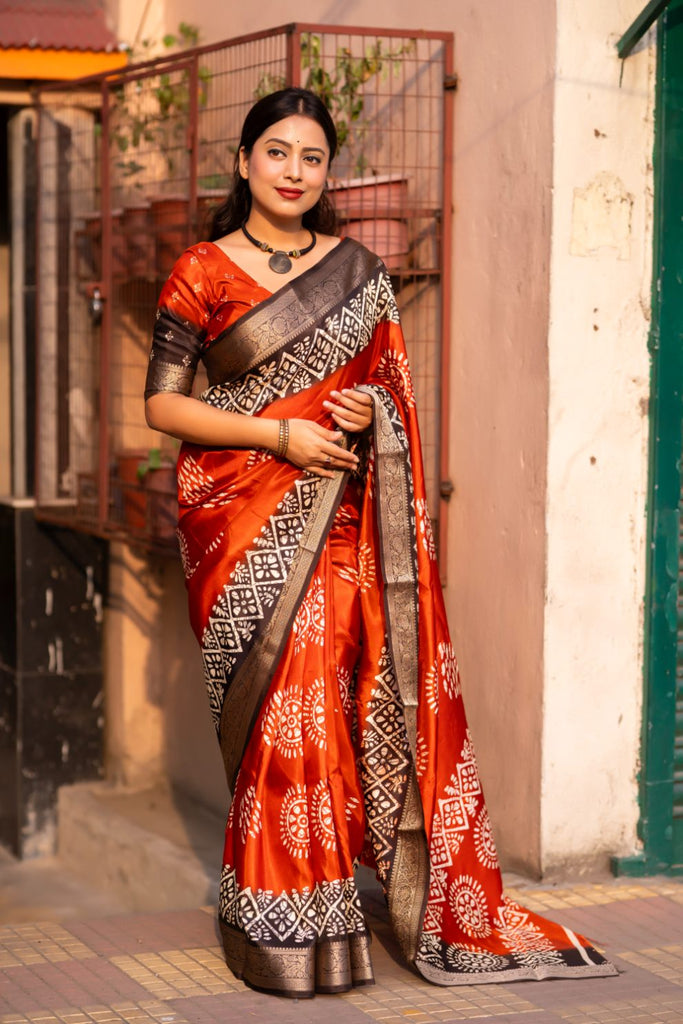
[[283, 439]]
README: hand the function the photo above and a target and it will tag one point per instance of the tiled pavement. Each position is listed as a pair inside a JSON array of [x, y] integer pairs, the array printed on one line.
[[167, 968]]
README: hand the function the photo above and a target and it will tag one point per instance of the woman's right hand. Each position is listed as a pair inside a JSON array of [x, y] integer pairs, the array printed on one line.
[[316, 449]]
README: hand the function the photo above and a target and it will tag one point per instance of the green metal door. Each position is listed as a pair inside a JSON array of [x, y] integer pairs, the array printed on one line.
[[665, 755], [678, 740], [661, 782]]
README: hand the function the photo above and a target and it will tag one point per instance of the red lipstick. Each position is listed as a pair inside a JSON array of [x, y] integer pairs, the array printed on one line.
[[289, 193]]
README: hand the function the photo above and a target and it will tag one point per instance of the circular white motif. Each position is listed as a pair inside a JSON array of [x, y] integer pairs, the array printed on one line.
[[393, 368], [309, 624], [294, 830], [421, 755], [323, 821], [343, 516], [366, 567], [471, 960], [467, 900], [231, 816], [188, 567], [425, 525], [350, 807], [484, 843], [195, 484], [344, 684], [282, 723], [250, 815], [314, 713], [432, 689], [270, 719], [448, 669]]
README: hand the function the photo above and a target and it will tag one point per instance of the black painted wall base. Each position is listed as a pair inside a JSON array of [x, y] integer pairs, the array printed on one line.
[[52, 583]]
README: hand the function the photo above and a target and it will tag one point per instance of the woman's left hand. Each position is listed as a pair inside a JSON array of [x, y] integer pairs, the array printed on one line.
[[350, 409]]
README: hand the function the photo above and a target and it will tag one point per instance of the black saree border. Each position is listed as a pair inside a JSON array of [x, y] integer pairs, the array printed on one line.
[[326, 966], [298, 307], [575, 964], [408, 883], [252, 680]]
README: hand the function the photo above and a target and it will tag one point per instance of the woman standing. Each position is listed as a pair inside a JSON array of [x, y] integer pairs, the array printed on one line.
[[314, 594]]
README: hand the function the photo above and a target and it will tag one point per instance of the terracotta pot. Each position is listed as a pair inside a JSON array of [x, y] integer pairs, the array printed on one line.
[[387, 238], [162, 502], [170, 215], [378, 196], [129, 500], [137, 229]]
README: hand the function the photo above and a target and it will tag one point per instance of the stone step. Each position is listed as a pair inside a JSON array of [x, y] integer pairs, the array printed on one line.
[[155, 849]]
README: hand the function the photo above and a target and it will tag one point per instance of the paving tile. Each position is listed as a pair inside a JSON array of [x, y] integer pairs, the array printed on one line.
[[632, 983], [177, 972], [259, 1008], [33, 988], [545, 898], [38, 943], [167, 968], [628, 925], [654, 1010], [142, 933]]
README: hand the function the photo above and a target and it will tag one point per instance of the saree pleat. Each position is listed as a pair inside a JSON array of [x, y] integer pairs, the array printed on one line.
[[331, 676]]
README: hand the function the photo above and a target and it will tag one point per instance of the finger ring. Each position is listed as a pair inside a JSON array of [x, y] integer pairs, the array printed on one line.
[[328, 459]]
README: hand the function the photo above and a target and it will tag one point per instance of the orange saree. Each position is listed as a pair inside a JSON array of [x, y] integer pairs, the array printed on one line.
[[331, 677]]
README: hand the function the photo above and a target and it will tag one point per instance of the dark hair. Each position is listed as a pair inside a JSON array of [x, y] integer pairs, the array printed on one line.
[[272, 108]]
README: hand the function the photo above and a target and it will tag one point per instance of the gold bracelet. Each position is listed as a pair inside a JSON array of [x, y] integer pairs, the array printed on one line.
[[283, 439]]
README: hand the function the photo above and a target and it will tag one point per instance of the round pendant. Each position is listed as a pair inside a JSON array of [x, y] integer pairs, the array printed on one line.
[[280, 262]]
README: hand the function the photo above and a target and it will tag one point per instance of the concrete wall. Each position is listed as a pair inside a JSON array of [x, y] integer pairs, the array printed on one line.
[[503, 176], [158, 721], [545, 573], [597, 460]]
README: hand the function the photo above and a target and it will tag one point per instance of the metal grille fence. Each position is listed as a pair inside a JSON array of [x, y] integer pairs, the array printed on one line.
[[131, 166]]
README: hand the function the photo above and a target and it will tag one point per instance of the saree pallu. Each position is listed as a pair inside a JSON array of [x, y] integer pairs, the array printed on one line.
[[331, 676]]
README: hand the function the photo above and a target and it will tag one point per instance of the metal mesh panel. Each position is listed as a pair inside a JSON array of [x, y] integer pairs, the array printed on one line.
[[68, 343], [132, 165]]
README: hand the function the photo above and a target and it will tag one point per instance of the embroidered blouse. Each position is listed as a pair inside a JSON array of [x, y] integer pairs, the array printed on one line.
[[204, 295]]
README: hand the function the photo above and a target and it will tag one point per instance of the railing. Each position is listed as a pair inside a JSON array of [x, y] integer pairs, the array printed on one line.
[[131, 166]]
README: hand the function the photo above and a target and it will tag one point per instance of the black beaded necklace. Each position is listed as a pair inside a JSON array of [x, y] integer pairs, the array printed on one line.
[[280, 261]]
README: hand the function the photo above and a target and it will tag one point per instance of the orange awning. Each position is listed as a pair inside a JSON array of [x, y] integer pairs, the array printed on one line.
[[33, 63]]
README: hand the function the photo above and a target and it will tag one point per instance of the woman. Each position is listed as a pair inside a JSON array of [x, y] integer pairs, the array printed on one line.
[[314, 594]]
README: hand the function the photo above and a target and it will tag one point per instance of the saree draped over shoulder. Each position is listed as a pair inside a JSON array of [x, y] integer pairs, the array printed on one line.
[[331, 677]]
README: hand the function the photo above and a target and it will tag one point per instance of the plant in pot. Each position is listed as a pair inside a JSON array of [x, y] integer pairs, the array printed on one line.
[[149, 124], [157, 474], [370, 206]]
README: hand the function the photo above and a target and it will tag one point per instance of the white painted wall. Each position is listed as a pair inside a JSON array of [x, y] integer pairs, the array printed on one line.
[[601, 268]]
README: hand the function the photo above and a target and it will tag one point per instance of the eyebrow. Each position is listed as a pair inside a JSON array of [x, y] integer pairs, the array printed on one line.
[[307, 149]]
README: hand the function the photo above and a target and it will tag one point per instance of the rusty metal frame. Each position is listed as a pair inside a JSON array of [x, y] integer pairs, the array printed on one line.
[[445, 485], [189, 60], [291, 30], [103, 486]]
